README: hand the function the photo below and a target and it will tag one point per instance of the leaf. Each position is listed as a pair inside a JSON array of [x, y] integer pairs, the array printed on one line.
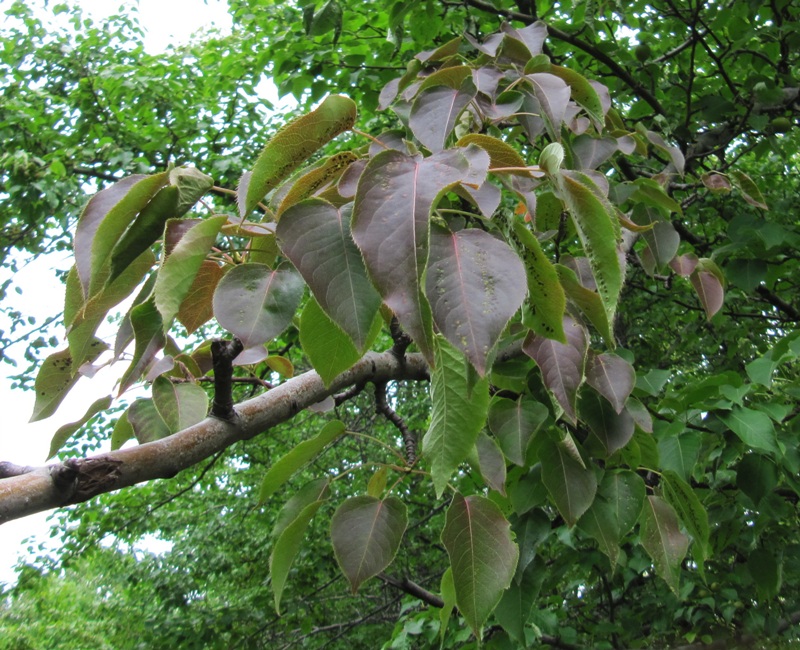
[[598, 231], [197, 307], [315, 236], [145, 421], [613, 430], [553, 95], [491, 463], [583, 93], [64, 433], [680, 452], [144, 231], [148, 331], [756, 476], [750, 192], [615, 511], [546, 301], [588, 301], [448, 590], [123, 431], [56, 377], [663, 242], [459, 408], [287, 465], [612, 377], [514, 608], [663, 540], [531, 530], [754, 428], [316, 490], [255, 303], [103, 221], [571, 485], [177, 273], [366, 533], [767, 573], [435, 111], [561, 364], [691, 512], [293, 145], [315, 179], [708, 287], [501, 154], [482, 554], [475, 284], [390, 226], [329, 349], [514, 423], [191, 184], [179, 405]]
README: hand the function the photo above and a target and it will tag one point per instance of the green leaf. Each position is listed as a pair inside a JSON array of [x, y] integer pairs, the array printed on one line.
[[475, 284], [178, 270], [749, 189], [293, 145], [613, 430], [287, 465], [329, 349], [104, 220], [756, 476], [191, 184], [393, 234], [316, 490], [571, 484], [588, 301], [286, 548], [366, 533], [315, 236], [514, 423], [663, 540], [615, 511], [679, 453], [767, 573], [255, 303], [583, 93], [56, 377], [179, 405], [691, 512], [64, 433], [123, 431], [501, 154], [145, 421], [482, 555], [514, 608], [754, 428], [314, 180], [448, 589], [148, 331], [598, 230], [459, 408], [546, 302]]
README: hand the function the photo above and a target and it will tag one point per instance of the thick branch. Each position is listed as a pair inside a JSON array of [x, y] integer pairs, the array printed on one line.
[[76, 480]]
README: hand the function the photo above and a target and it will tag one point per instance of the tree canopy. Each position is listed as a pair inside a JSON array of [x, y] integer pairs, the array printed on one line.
[[493, 342]]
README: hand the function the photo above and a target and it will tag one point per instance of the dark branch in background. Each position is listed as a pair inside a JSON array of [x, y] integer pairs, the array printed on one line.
[[350, 393], [777, 301], [93, 173], [222, 355], [413, 589], [383, 408]]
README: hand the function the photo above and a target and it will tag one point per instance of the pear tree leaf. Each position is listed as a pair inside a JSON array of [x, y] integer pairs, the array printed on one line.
[[663, 540], [514, 423], [64, 433], [570, 483], [179, 405]]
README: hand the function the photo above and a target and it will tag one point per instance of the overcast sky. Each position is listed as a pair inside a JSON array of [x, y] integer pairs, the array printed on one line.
[[165, 22]]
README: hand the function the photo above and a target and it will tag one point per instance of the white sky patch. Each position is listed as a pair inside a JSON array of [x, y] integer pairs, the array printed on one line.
[[165, 23]]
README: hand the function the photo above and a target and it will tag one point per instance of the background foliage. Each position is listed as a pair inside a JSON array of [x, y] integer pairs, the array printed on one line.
[[707, 445]]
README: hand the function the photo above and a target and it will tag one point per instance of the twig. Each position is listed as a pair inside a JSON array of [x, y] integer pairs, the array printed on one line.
[[383, 408], [222, 355]]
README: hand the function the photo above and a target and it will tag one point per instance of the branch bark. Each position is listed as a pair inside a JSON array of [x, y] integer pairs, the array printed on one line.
[[77, 480]]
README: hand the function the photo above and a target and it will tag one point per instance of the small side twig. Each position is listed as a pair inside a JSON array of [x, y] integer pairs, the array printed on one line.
[[350, 393], [400, 338], [222, 355], [383, 408]]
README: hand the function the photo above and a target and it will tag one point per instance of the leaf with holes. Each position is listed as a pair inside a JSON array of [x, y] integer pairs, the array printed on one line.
[[293, 145], [366, 533], [474, 284], [459, 407], [483, 556], [315, 236]]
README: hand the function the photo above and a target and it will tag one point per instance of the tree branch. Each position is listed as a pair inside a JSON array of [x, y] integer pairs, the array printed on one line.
[[77, 480]]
